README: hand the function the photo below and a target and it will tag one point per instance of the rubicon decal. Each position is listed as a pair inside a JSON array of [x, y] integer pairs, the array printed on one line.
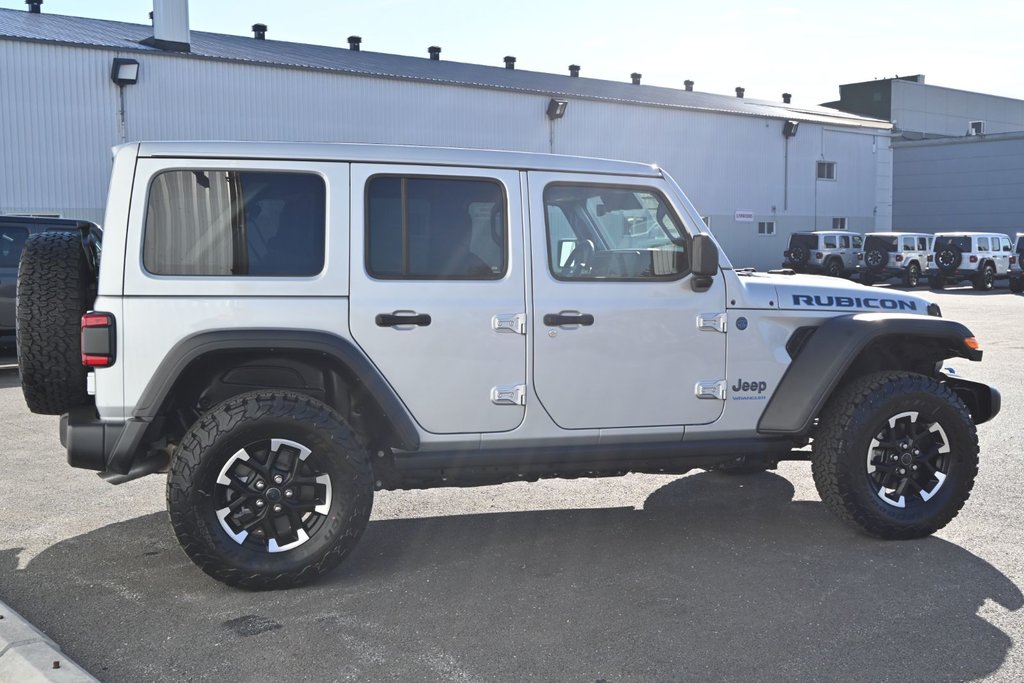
[[817, 301]]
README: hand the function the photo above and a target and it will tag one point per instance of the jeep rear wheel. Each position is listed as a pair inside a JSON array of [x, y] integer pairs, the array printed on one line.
[[985, 279], [834, 268], [269, 490], [896, 455], [912, 276], [56, 285]]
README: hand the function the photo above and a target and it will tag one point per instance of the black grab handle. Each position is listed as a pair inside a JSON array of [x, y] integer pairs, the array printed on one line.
[[393, 320], [559, 319]]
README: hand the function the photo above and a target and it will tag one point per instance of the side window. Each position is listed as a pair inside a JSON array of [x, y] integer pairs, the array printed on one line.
[[982, 244], [1005, 241], [844, 242], [908, 244], [208, 222], [922, 244], [600, 232], [12, 242], [424, 228], [858, 241], [831, 242]]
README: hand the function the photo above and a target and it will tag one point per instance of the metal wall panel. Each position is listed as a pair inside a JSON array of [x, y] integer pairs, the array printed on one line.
[[944, 111], [963, 184], [724, 161]]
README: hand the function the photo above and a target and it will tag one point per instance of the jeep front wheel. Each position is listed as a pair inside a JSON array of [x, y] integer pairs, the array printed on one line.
[[896, 455], [269, 490]]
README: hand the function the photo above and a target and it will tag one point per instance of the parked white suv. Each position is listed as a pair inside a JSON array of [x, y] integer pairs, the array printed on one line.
[[1016, 264], [287, 328], [827, 252], [887, 255], [981, 258]]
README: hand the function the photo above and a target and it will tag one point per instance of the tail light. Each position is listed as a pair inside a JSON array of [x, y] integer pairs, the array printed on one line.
[[899, 257], [974, 259], [97, 340]]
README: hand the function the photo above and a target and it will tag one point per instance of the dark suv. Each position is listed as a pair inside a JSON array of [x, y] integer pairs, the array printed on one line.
[[14, 231]]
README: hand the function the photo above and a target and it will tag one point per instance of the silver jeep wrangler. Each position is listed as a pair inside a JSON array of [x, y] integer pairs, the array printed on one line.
[[887, 255], [828, 252], [286, 329]]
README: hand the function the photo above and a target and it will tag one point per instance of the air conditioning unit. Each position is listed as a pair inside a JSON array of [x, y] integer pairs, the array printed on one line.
[[976, 128]]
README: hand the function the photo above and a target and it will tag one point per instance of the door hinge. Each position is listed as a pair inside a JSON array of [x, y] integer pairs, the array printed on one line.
[[712, 389], [509, 395], [712, 322], [509, 322]]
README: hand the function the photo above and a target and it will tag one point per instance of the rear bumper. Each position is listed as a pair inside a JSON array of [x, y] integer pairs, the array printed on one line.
[[102, 446]]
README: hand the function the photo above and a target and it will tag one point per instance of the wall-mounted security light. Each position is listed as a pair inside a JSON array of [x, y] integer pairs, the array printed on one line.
[[789, 128], [556, 108], [124, 71]]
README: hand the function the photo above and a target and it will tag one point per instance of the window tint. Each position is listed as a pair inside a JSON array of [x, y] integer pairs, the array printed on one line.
[[435, 228], [844, 242], [208, 222], [12, 242], [831, 241], [1005, 241], [922, 244], [858, 241], [613, 233]]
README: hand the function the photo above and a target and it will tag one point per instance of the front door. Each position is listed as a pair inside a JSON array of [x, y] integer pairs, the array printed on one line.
[[438, 297], [621, 338]]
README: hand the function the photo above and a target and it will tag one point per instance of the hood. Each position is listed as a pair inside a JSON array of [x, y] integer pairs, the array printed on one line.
[[821, 293]]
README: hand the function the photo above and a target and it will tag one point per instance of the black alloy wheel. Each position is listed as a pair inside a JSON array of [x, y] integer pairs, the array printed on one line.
[[912, 277], [948, 258], [986, 278], [834, 268], [908, 460], [876, 258]]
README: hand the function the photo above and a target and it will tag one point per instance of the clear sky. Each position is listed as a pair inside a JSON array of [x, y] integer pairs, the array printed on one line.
[[805, 47]]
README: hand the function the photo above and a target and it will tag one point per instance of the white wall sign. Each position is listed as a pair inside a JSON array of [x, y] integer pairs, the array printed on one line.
[[744, 216]]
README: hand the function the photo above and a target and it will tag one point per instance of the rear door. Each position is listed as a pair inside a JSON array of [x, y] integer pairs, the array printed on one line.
[[438, 297], [12, 242], [620, 337]]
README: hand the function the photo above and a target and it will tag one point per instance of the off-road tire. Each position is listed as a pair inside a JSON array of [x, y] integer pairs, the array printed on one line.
[[912, 276], [861, 412], [799, 255], [1016, 285], [834, 268], [55, 287], [242, 422], [949, 258], [985, 279]]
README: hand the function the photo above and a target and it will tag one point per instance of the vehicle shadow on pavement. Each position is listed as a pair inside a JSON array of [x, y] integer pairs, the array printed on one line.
[[717, 577], [9, 378]]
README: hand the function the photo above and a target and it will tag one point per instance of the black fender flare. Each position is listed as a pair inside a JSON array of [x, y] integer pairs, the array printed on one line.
[[154, 397], [827, 354]]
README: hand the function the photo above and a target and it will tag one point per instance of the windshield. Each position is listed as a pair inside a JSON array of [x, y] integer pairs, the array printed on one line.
[[883, 242], [961, 243]]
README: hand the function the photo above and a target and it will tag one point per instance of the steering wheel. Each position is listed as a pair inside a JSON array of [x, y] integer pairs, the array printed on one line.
[[579, 259]]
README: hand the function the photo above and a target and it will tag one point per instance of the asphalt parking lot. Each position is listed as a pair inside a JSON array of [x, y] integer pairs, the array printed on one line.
[[695, 577]]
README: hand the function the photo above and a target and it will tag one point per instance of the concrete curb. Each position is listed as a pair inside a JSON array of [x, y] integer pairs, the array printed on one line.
[[27, 655]]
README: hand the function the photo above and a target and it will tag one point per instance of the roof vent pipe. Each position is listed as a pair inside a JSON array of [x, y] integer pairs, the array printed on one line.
[[574, 70], [739, 92], [34, 6], [259, 31], [688, 84], [786, 97], [435, 52], [353, 43], [636, 78], [510, 62], [170, 26]]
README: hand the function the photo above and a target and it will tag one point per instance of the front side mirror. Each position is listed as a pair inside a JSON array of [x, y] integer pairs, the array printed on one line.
[[705, 256], [705, 262]]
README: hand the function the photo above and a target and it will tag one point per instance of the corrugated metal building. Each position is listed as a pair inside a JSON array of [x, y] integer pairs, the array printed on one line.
[[958, 156], [743, 162]]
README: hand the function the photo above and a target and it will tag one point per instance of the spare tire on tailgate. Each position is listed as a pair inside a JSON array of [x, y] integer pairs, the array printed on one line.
[[56, 285]]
